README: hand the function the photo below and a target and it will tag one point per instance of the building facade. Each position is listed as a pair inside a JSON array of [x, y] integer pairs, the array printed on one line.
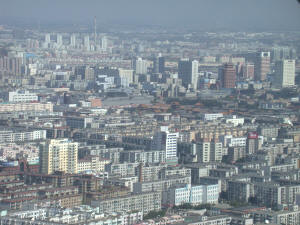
[[59, 155]]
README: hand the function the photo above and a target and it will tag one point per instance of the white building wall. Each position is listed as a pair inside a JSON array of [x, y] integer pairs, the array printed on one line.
[[22, 96]]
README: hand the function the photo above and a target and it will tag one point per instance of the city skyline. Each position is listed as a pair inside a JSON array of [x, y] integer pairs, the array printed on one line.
[[195, 14], [150, 112]]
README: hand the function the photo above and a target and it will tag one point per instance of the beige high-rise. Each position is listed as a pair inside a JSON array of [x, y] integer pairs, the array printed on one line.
[[285, 72], [59, 155]]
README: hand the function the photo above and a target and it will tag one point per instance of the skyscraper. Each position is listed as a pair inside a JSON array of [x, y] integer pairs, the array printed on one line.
[[15, 65], [95, 31], [185, 72], [248, 71], [159, 64], [262, 66], [86, 43], [228, 75], [141, 66], [167, 141], [252, 143], [104, 43], [276, 54], [47, 38], [73, 40], [59, 40], [59, 155], [285, 73], [195, 67]]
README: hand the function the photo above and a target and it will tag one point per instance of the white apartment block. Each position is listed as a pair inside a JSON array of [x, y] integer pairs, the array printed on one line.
[[22, 96], [194, 195], [26, 106], [230, 141], [212, 116], [92, 163], [166, 141], [144, 202], [235, 121], [11, 136]]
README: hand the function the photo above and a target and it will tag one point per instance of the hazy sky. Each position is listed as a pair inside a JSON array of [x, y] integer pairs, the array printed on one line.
[[233, 14]]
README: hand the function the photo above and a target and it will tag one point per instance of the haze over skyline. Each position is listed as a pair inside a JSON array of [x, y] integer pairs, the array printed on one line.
[[196, 14]]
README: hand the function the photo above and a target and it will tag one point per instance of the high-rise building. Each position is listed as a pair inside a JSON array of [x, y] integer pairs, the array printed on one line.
[[15, 66], [73, 40], [285, 73], [275, 54], [126, 77], [59, 40], [209, 151], [141, 66], [285, 53], [281, 52], [262, 66], [195, 71], [104, 43], [159, 64], [185, 72], [252, 143], [59, 155], [47, 38], [248, 71], [167, 141], [86, 43], [228, 75]]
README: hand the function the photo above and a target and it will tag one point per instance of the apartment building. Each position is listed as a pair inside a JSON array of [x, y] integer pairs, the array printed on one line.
[[195, 195], [59, 155], [160, 185], [25, 106], [144, 202], [21, 136]]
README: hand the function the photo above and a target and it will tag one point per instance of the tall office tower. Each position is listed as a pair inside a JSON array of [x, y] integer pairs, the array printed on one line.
[[59, 40], [166, 141], [86, 43], [195, 67], [275, 54], [47, 38], [58, 155], [262, 66], [126, 77], [89, 73], [285, 73], [185, 72], [252, 143], [159, 64], [85, 72], [227, 75], [104, 43], [141, 66], [4, 63], [15, 66], [293, 53], [248, 71], [73, 40], [95, 31], [285, 53]]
